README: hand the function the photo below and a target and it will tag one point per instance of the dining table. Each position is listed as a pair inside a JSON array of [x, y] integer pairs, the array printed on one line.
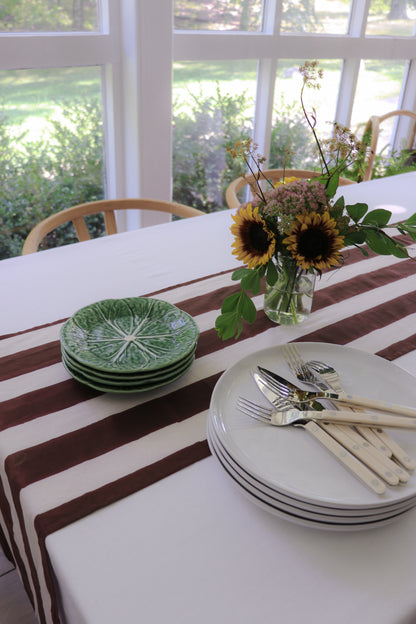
[[112, 505]]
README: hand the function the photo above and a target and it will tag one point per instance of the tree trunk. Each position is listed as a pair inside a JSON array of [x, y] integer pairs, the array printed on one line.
[[398, 10], [245, 15]]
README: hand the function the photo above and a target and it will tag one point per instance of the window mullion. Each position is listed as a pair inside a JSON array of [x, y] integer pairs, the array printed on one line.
[[346, 92], [407, 101], [147, 89], [358, 18], [266, 77]]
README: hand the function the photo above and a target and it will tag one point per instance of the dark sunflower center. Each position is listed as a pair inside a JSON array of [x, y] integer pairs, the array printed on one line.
[[313, 243], [258, 238]]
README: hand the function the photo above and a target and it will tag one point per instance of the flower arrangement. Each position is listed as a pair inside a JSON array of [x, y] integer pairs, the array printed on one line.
[[294, 230]]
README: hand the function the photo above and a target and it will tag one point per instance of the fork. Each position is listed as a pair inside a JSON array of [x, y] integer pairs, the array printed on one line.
[[296, 395], [325, 377], [293, 416], [357, 459], [381, 438]]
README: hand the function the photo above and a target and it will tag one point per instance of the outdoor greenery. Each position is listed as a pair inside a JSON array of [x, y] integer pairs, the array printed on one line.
[[51, 145], [41, 177], [48, 15], [65, 167]]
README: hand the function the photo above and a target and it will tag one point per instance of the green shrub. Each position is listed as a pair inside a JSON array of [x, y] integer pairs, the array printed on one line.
[[292, 145], [43, 177], [202, 168]]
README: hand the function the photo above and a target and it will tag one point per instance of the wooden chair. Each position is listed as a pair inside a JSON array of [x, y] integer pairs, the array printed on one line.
[[272, 174], [76, 214], [373, 124]]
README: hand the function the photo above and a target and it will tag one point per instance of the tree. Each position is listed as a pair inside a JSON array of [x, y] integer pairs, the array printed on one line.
[[398, 10]]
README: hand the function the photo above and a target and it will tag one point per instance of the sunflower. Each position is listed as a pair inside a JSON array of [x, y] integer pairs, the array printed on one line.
[[314, 241], [254, 244]]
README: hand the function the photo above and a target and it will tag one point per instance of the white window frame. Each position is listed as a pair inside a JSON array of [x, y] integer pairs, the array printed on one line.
[[137, 47]]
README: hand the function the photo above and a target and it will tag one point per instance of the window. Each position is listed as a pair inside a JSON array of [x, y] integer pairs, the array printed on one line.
[[148, 79], [366, 49]]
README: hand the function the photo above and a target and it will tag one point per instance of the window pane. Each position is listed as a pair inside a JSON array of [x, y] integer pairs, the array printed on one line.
[[378, 91], [208, 116], [316, 16], [48, 15], [242, 15], [51, 149], [292, 143], [395, 18]]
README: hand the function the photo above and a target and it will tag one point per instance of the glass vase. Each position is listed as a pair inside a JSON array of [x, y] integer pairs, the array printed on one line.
[[289, 300]]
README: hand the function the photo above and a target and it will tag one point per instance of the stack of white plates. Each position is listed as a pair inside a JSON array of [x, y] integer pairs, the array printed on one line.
[[284, 469], [128, 345]]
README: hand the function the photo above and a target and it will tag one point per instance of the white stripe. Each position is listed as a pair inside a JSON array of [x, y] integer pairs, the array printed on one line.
[[381, 339], [88, 476], [38, 337], [30, 339]]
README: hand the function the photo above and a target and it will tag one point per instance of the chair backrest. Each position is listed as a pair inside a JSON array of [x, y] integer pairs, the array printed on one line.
[[275, 175], [373, 124], [76, 214]]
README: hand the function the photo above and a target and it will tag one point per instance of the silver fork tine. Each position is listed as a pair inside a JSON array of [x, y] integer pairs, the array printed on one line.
[[284, 391], [254, 406], [295, 362], [253, 410]]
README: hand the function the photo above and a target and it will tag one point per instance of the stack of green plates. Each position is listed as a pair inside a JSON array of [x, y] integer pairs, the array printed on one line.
[[128, 345]]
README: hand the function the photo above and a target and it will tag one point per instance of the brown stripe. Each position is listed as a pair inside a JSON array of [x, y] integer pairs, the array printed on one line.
[[66, 514], [43, 401], [358, 325], [31, 329], [152, 294], [396, 350], [9, 545], [38, 462], [29, 360], [362, 283], [82, 506], [48, 354]]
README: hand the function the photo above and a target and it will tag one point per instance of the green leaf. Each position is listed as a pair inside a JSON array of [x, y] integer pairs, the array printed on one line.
[[228, 324], [240, 273], [378, 217], [248, 309], [332, 185], [261, 270], [340, 203], [251, 282], [384, 245], [408, 229], [377, 242], [231, 303], [411, 220], [355, 238], [272, 275], [357, 211]]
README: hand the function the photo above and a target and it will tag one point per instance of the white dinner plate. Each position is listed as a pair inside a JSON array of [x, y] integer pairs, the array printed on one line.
[[288, 459], [296, 515], [290, 505]]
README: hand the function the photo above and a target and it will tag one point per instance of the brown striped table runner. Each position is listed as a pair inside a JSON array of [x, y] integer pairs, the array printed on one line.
[[67, 450]]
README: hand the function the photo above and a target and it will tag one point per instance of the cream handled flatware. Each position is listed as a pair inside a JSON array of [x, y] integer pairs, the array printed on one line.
[[346, 458], [383, 440], [345, 435], [292, 393], [286, 417]]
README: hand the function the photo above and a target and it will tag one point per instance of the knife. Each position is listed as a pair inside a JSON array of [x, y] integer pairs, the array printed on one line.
[[358, 401], [340, 417], [356, 457]]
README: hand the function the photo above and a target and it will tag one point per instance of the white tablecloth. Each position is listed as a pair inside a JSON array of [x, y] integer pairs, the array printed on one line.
[[191, 547]]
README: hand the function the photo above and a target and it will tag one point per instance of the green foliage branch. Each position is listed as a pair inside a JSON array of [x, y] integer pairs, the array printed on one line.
[[357, 225]]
